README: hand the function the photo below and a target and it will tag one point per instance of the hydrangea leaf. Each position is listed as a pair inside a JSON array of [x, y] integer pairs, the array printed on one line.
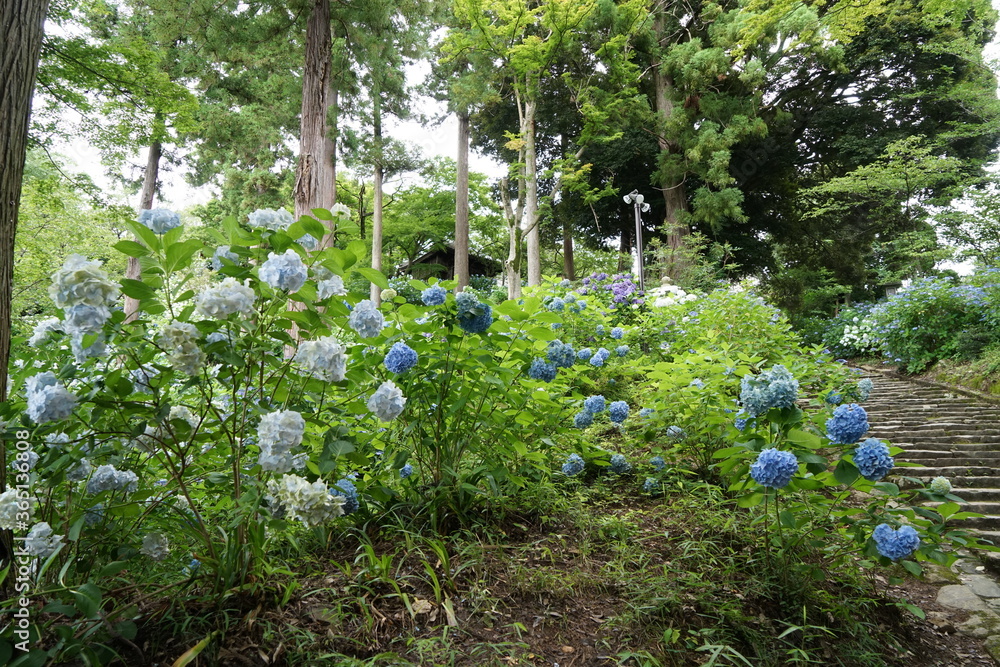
[[846, 472], [131, 248], [750, 500], [374, 276]]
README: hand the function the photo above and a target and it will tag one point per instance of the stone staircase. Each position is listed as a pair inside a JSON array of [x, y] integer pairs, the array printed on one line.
[[948, 434]]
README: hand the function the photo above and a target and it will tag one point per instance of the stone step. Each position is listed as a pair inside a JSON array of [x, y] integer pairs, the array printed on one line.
[[963, 447], [951, 472], [973, 495]]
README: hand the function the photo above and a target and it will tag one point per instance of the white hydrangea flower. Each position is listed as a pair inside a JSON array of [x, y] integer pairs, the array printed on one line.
[[48, 400], [40, 541], [180, 340], [285, 272], [107, 478], [159, 220], [80, 471], [312, 504], [221, 253], [81, 281], [155, 545], [267, 218], [366, 319], [226, 298], [324, 359], [340, 211], [99, 348], [332, 286], [387, 402], [277, 434], [10, 506], [940, 485], [43, 330], [183, 412]]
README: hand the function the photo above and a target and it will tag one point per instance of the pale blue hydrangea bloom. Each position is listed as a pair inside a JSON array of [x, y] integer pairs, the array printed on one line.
[[895, 544], [93, 514], [658, 463], [584, 354], [542, 370], [775, 388], [435, 295], [617, 333], [651, 485], [278, 433], [180, 341], [599, 357], [940, 485], [848, 424], [98, 348], [30, 463], [323, 359], [80, 471], [48, 399], [387, 402], [647, 412], [221, 253], [297, 499], [366, 319], [216, 337], [556, 305], [225, 299], [872, 459], [675, 433], [741, 421], [619, 465], [774, 468], [155, 545], [697, 382], [583, 419], [564, 283], [285, 272], [405, 471], [560, 354], [267, 218], [331, 286], [43, 330], [40, 542], [107, 478], [400, 358], [345, 488], [159, 220], [308, 242], [82, 319], [618, 411], [573, 466], [622, 350], [81, 281], [594, 404], [570, 297], [865, 386], [599, 330]]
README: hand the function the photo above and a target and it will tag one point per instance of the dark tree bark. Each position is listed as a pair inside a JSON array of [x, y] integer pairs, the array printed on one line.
[[462, 204], [377, 204], [149, 179], [315, 180], [569, 266]]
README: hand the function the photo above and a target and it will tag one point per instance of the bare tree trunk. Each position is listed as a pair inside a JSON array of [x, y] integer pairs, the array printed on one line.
[[674, 194], [149, 179], [569, 268], [377, 205], [512, 266], [315, 180], [531, 231], [462, 204], [21, 24]]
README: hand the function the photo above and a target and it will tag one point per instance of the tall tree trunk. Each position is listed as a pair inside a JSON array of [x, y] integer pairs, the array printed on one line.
[[674, 194], [149, 179], [21, 24], [512, 266], [462, 204], [569, 268], [377, 205], [315, 180], [531, 231]]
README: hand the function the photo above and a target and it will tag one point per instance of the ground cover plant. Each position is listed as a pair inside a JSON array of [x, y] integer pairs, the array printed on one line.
[[258, 442]]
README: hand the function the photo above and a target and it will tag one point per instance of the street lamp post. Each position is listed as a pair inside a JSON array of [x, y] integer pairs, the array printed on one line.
[[640, 205]]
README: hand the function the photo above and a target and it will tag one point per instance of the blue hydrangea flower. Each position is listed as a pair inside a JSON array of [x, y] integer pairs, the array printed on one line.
[[865, 386], [651, 485], [583, 354], [697, 382], [560, 354], [774, 468], [848, 424], [285, 272], [872, 459], [619, 465], [599, 330], [387, 402], [541, 370], [622, 350], [574, 465], [647, 412], [48, 399], [273, 219], [617, 333], [366, 319], [618, 411], [570, 298], [406, 471], [658, 463], [564, 283], [556, 305], [346, 488], [160, 220], [775, 388], [473, 317], [675, 433], [833, 398], [435, 295], [401, 358], [895, 544], [583, 419], [221, 253], [599, 357], [594, 404]]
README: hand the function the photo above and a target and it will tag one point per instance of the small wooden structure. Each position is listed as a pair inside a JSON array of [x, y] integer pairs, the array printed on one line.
[[440, 263]]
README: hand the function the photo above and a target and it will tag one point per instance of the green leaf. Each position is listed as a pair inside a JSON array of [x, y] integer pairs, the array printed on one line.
[[131, 248], [88, 600], [144, 233], [787, 519], [374, 276], [179, 254], [137, 289], [913, 568], [321, 214], [314, 228], [845, 472], [113, 568], [543, 333], [751, 500], [947, 509]]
